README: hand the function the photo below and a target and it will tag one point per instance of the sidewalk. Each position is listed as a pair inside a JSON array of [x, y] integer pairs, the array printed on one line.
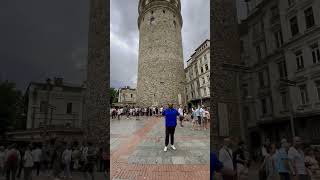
[[137, 151]]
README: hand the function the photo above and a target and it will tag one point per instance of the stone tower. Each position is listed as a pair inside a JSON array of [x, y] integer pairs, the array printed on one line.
[[161, 77], [225, 70], [97, 84]]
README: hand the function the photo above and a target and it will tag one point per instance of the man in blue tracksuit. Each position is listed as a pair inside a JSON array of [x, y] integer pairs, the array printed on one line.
[[171, 115]]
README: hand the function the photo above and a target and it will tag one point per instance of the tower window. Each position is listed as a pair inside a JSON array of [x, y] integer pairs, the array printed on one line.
[[164, 11], [152, 20], [151, 12], [174, 23]]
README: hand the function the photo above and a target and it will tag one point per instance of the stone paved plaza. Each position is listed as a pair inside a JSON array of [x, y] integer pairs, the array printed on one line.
[[137, 151]]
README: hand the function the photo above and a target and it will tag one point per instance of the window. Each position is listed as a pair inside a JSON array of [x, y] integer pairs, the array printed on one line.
[[203, 80], [258, 51], [131, 95], [274, 11], [291, 2], [261, 79], [245, 90], [69, 108], [294, 26], [201, 69], [174, 23], [164, 11], [299, 59], [284, 100], [318, 89], [315, 52], [207, 67], [304, 94], [308, 13], [282, 70], [264, 106], [241, 46], [43, 106], [278, 38], [152, 20]]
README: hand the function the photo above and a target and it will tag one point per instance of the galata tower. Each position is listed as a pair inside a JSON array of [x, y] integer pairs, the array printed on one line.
[[161, 77]]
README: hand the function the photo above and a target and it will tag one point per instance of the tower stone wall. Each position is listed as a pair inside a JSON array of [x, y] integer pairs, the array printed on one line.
[[161, 77]]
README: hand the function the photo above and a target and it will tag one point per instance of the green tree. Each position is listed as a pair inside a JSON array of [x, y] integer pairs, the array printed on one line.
[[113, 95], [11, 107]]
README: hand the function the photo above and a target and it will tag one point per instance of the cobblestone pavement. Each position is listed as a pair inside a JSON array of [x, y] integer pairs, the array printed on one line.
[[137, 151]]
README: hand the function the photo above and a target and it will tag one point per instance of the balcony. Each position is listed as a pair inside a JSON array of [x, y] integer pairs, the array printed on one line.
[[275, 19]]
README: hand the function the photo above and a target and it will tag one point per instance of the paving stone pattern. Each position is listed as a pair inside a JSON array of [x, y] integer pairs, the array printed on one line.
[[137, 151]]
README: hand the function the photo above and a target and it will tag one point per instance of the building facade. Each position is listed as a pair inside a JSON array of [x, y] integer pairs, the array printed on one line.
[[161, 77], [280, 86], [198, 76], [127, 96], [55, 104]]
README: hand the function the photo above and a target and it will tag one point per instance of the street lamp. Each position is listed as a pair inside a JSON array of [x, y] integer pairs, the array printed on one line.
[[293, 84]]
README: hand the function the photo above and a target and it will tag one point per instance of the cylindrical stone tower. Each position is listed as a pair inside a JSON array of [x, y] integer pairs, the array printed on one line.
[[161, 77]]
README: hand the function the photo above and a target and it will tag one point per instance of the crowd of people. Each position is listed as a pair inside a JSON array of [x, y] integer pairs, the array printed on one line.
[[127, 111], [279, 161], [57, 159], [199, 116]]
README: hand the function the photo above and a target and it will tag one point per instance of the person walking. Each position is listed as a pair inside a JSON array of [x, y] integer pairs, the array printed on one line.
[[269, 163], [21, 150], [27, 163], [194, 119], [240, 162], [171, 115], [2, 160], [36, 154], [45, 159], [226, 157], [12, 162], [282, 161], [66, 160], [206, 117], [296, 157], [91, 157], [181, 115], [199, 113]]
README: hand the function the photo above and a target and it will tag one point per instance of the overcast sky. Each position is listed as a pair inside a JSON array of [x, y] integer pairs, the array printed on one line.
[[43, 38], [124, 36]]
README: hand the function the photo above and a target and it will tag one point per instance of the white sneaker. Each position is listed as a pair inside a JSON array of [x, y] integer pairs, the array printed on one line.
[[174, 148], [165, 149]]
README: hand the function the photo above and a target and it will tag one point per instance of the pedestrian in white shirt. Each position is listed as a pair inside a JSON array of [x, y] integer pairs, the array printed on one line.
[[226, 157], [28, 164], [36, 154], [66, 159], [296, 157]]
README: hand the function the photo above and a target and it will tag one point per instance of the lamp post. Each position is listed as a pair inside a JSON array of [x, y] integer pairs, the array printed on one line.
[[293, 84]]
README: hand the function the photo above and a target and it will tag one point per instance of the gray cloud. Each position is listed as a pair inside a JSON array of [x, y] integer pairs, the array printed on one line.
[[42, 38], [124, 36]]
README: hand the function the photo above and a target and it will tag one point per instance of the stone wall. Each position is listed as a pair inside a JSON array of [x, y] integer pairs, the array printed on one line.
[[97, 99], [161, 74]]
